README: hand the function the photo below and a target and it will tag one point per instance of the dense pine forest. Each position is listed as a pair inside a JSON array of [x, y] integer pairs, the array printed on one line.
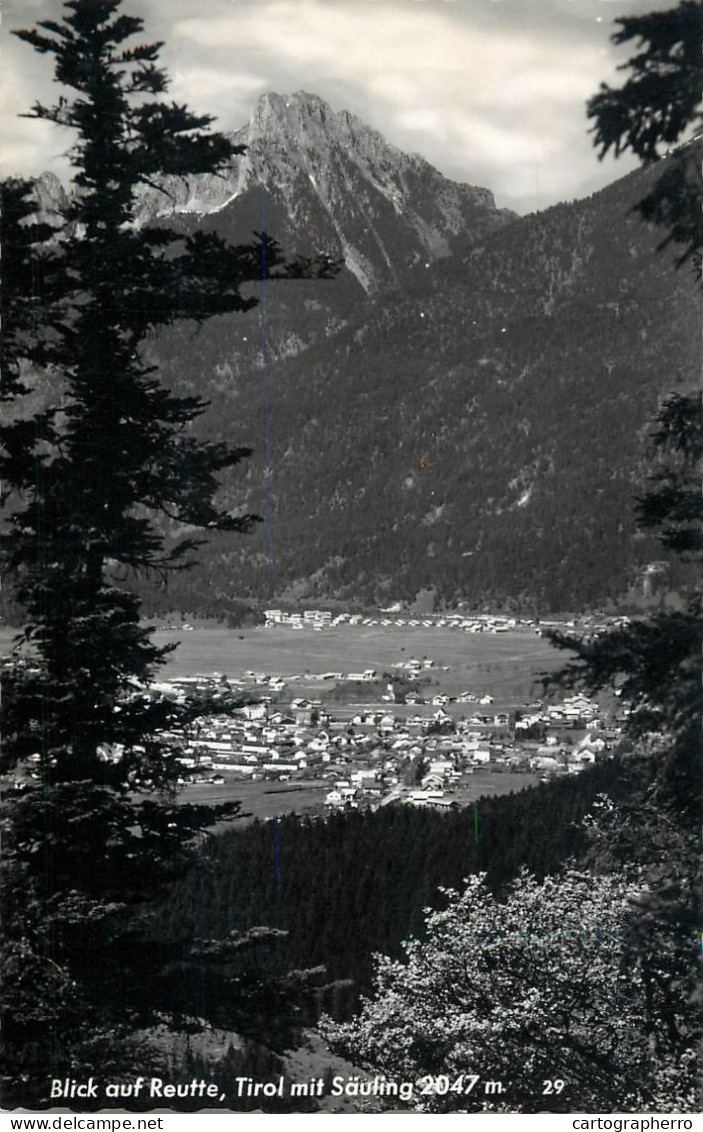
[[349, 884]]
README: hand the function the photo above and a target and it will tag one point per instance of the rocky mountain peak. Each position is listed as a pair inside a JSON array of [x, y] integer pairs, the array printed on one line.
[[50, 197], [382, 209], [331, 184], [308, 134]]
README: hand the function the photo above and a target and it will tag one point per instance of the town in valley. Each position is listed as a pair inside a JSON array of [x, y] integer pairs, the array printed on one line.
[[352, 737]]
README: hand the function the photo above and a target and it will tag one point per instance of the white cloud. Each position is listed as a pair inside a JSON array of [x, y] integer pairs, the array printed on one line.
[[423, 120], [483, 91], [28, 145], [200, 83], [433, 79]]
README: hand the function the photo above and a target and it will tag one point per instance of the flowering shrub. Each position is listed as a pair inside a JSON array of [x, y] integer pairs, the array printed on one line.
[[541, 992]]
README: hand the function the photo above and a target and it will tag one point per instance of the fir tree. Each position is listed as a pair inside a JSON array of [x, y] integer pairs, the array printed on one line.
[[84, 478], [655, 661], [657, 105]]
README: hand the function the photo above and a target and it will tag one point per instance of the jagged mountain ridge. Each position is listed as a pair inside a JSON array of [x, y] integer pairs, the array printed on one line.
[[319, 182], [324, 181]]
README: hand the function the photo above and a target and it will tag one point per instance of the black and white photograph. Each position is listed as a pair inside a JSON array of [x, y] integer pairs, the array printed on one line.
[[350, 549]]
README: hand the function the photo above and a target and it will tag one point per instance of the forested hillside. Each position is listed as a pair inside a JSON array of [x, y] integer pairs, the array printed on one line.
[[474, 424], [481, 431], [351, 884]]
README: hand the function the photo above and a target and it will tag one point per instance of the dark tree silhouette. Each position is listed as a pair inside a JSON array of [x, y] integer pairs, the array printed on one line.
[[656, 660], [648, 115], [84, 475]]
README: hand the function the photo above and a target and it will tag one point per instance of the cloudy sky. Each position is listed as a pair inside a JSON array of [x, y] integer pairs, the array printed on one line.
[[490, 91]]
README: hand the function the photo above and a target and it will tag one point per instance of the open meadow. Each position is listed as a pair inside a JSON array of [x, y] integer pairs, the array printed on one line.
[[267, 800], [502, 664], [506, 666]]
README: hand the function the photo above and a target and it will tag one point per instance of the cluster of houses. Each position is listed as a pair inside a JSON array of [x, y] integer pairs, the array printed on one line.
[[377, 756], [475, 623], [373, 756], [309, 619]]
